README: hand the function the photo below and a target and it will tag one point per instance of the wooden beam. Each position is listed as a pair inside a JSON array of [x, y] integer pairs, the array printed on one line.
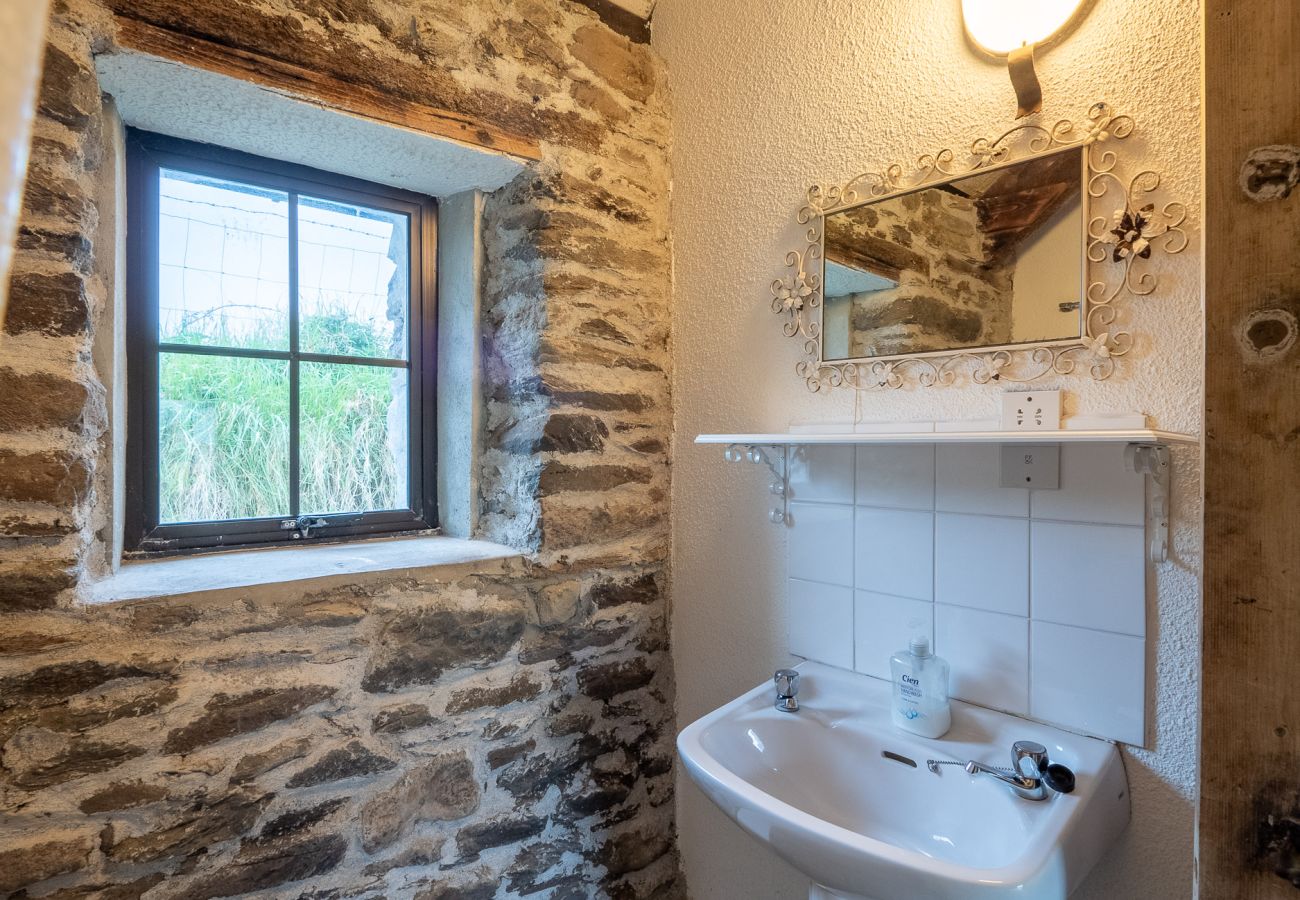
[[321, 90], [1249, 824]]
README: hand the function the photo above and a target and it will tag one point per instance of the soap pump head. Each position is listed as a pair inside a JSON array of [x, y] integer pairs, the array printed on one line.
[[920, 646]]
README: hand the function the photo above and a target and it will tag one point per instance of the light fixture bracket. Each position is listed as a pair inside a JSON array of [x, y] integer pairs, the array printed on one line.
[[1029, 93], [1016, 30]]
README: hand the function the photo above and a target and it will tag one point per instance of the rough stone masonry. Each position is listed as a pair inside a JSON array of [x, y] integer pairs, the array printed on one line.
[[472, 731]]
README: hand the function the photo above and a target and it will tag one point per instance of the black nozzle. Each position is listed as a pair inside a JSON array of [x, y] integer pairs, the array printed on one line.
[[1059, 778]]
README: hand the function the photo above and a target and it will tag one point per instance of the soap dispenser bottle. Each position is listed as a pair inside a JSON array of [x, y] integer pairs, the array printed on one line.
[[920, 690]]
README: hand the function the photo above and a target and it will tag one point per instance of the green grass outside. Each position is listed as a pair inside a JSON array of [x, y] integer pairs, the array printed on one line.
[[224, 428]]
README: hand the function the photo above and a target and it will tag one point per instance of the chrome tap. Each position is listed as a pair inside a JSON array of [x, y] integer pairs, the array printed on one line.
[[787, 690], [1031, 773]]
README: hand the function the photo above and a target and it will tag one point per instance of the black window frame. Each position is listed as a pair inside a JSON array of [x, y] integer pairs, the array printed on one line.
[[143, 534]]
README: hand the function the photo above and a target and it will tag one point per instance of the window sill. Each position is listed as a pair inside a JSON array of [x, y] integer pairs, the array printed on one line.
[[178, 576]]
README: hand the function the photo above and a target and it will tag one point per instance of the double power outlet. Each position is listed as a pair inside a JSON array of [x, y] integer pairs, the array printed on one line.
[[1034, 466], [1031, 411]]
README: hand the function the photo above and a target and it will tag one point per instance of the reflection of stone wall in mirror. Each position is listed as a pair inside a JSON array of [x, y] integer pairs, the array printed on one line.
[[989, 259]]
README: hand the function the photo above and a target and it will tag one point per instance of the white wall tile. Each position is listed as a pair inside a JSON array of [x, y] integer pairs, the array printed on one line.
[[989, 656], [822, 473], [1093, 576], [1090, 680], [895, 552], [883, 625], [896, 475], [968, 479], [821, 622], [1096, 486], [982, 562], [1060, 595], [820, 543]]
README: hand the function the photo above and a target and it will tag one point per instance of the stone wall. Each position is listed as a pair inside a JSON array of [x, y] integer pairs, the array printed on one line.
[[485, 730], [452, 733]]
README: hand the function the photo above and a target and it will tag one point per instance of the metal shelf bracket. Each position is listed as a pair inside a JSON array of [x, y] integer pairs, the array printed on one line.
[[777, 459], [1153, 461]]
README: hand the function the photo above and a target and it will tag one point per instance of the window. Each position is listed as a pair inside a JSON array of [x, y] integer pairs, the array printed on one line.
[[280, 348]]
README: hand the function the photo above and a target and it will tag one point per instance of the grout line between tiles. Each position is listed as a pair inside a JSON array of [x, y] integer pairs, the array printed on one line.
[[853, 569], [822, 583], [814, 502], [1136, 637], [1080, 522], [894, 596], [987, 515], [934, 545], [1029, 631], [893, 508], [934, 512], [1043, 621]]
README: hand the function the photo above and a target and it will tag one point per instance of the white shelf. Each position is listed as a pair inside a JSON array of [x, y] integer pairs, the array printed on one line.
[[1063, 436], [1147, 454]]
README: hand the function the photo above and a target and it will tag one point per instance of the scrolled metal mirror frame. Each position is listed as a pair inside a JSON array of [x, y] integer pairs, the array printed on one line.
[[1117, 246]]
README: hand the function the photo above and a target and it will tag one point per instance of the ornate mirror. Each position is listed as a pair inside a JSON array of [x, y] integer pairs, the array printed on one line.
[[1008, 266]]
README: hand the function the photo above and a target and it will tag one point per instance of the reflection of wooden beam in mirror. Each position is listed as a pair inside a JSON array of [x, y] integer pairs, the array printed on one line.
[[947, 260], [1021, 199]]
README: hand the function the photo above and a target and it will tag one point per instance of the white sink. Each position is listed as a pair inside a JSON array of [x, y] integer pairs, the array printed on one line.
[[816, 788]]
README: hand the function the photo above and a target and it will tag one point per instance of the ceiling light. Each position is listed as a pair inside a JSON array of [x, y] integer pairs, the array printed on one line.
[[1011, 29]]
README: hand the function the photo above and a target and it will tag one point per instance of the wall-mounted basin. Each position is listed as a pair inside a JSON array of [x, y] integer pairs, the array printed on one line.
[[848, 799]]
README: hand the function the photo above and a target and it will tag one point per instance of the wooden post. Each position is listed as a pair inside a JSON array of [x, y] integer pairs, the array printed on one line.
[[1249, 829]]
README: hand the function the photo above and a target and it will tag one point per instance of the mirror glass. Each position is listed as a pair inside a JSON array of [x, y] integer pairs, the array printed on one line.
[[985, 260]]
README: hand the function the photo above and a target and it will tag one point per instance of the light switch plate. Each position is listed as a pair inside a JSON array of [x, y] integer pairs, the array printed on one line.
[[1031, 411], [1033, 466]]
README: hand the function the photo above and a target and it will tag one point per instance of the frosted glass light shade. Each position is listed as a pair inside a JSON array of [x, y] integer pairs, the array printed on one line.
[[1000, 26]]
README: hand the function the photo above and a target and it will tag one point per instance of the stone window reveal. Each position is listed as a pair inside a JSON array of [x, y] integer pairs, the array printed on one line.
[[281, 334]]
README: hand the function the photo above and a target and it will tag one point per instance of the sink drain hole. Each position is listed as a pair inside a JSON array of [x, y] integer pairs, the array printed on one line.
[[898, 758]]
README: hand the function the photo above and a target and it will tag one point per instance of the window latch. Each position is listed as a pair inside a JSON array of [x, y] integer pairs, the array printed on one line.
[[304, 525]]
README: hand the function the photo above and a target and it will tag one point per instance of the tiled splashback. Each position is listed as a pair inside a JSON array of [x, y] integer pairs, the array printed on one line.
[[1036, 598]]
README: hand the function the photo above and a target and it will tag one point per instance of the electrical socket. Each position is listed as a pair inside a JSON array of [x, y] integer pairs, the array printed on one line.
[[1031, 411], [1033, 466]]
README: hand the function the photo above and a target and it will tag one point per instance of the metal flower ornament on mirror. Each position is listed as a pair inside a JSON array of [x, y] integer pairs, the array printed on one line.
[[1114, 245], [791, 296], [796, 296], [1133, 233], [1099, 346]]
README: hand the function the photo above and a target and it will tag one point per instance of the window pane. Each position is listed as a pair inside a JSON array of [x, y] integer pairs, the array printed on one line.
[[353, 438], [223, 263], [223, 437], [353, 279]]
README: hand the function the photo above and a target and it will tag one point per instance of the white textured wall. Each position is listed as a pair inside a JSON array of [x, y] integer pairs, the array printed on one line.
[[771, 96]]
